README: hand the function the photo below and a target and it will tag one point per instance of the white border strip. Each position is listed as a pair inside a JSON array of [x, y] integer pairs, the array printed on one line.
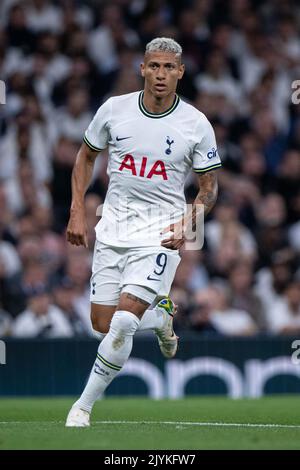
[[194, 423], [171, 423]]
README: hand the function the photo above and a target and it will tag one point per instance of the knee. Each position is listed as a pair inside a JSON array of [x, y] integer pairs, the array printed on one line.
[[125, 323], [100, 325]]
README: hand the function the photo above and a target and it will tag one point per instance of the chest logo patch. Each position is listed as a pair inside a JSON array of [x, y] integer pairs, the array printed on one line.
[[169, 142]]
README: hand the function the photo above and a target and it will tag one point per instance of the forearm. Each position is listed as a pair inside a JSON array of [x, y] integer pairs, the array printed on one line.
[[205, 199], [208, 192], [204, 202], [81, 177]]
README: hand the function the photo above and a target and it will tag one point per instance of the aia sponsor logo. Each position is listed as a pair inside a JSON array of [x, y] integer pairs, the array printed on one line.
[[143, 169]]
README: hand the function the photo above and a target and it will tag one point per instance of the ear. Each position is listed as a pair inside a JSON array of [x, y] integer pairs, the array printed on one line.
[[142, 68], [181, 71]]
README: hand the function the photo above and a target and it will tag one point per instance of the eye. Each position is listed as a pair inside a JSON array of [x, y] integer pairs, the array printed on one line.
[[170, 66]]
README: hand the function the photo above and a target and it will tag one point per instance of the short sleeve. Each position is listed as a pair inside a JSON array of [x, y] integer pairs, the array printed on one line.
[[205, 153], [97, 134]]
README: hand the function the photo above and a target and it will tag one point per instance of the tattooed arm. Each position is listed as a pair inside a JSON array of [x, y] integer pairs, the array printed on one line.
[[204, 201], [208, 192]]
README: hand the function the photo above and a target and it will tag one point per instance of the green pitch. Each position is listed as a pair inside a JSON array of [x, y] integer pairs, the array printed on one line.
[[192, 423]]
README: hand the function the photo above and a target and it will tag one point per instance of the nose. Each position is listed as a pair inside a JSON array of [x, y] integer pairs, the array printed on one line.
[[160, 74]]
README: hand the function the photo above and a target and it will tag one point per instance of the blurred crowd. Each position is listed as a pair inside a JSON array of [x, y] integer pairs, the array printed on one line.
[[60, 60]]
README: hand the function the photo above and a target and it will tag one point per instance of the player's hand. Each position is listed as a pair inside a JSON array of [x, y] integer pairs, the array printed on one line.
[[77, 229], [175, 241]]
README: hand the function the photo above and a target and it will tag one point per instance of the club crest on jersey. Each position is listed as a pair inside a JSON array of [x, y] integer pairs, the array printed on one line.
[[169, 142]]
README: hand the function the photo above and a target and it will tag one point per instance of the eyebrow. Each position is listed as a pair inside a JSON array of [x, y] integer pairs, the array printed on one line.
[[152, 62]]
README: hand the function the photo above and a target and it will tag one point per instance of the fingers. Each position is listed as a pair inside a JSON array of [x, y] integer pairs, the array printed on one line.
[[176, 239], [77, 231], [168, 243], [77, 239], [172, 244]]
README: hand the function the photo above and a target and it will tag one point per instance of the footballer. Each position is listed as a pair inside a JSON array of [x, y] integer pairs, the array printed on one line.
[[154, 139]]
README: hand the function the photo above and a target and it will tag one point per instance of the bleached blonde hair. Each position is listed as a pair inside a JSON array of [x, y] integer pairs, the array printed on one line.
[[164, 45]]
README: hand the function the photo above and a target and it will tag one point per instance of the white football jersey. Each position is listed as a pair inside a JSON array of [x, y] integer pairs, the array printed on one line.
[[150, 156]]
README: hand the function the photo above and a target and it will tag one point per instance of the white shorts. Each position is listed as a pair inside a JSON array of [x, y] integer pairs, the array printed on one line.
[[145, 272]]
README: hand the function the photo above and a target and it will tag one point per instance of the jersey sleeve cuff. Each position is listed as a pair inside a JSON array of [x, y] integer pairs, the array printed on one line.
[[206, 170], [92, 147]]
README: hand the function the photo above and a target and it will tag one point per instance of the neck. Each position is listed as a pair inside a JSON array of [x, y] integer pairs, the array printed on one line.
[[157, 105]]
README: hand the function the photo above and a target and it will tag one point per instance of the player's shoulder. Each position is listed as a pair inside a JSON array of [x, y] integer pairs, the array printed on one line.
[[122, 99], [117, 106], [194, 113], [114, 105]]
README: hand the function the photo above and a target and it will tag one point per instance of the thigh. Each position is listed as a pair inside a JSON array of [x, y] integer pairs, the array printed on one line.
[[105, 286], [152, 269], [132, 303]]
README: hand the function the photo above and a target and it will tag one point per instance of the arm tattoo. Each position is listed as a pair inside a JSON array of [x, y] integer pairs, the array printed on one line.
[[136, 299], [208, 192]]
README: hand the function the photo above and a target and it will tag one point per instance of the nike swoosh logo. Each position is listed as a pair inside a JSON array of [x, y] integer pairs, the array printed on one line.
[[122, 138], [152, 278]]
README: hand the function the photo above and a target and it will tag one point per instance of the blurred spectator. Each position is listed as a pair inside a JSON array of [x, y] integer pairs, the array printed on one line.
[[228, 320], [241, 281], [42, 15], [27, 141], [73, 120], [200, 310], [19, 35], [216, 79], [41, 319], [229, 152], [212, 311], [110, 36], [271, 234], [23, 191], [288, 180], [57, 64], [64, 296], [193, 31], [51, 243], [9, 260], [208, 104], [227, 239], [273, 141], [272, 281], [78, 266], [288, 39], [284, 315], [5, 323], [191, 273], [181, 298], [82, 76], [15, 287]]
